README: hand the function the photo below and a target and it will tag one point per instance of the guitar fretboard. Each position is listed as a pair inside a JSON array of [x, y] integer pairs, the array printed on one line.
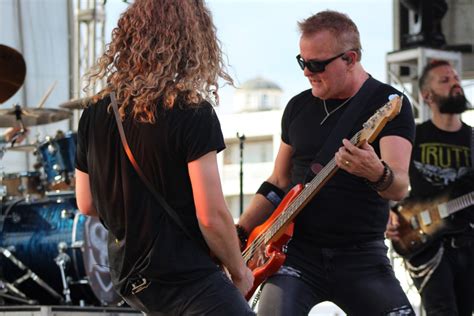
[[457, 204]]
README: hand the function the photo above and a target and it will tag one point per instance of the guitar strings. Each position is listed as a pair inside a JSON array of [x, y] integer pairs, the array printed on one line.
[[260, 240]]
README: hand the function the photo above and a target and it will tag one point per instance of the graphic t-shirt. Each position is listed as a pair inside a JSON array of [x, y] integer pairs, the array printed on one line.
[[438, 158]]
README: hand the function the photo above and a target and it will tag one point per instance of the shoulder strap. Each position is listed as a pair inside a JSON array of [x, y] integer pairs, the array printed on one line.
[[140, 173], [345, 124], [472, 147]]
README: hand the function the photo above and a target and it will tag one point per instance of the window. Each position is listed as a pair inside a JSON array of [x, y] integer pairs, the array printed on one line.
[[254, 151]]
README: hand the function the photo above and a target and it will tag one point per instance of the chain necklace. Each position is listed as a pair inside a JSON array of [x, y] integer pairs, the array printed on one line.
[[328, 114]]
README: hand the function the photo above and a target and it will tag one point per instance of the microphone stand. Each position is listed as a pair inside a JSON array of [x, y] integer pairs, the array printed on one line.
[[241, 162]]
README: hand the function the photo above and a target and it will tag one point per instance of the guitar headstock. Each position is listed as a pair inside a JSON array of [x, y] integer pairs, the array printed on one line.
[[376, 122]]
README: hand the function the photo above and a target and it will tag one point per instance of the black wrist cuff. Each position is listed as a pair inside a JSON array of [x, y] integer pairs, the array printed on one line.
[[271, 192], [385, 180]]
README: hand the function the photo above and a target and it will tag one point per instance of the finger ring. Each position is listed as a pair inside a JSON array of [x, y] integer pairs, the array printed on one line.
[[346, 162]]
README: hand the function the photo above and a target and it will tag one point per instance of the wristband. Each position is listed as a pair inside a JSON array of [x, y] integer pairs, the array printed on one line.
[[385, 180], [271, 192]]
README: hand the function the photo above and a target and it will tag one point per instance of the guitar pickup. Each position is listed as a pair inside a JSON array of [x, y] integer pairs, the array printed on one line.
[[425, 218], [414, 222]]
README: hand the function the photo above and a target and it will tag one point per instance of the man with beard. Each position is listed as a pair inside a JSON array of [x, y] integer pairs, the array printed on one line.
[[442, 162]]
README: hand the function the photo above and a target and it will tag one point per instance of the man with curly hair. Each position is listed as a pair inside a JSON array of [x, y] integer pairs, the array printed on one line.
[[163, 65]]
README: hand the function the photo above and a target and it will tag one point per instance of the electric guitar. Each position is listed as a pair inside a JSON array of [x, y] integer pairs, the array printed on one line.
[[264, 252], [421, 222]]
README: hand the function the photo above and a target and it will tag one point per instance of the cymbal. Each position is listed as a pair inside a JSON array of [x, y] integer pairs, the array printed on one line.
[[22, 148], [12, 72], [32, 116], [76, 104]]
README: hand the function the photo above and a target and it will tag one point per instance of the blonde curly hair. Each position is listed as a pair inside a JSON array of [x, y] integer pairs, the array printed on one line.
[[161, 50]]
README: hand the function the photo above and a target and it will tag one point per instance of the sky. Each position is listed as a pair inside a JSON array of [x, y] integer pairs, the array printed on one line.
[[260, 38]]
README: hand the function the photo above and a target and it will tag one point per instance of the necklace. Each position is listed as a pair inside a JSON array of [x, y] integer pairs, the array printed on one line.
[[328, 114]]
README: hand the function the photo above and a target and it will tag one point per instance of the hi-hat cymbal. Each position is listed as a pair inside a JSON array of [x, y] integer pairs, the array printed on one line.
[[76, 104], [32, 116], [12, 72]]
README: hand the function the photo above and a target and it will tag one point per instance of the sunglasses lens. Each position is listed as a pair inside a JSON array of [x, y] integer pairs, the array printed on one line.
[[300, 62], [315, 66]]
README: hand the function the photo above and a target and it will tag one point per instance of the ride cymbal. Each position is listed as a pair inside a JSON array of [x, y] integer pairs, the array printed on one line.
[[32, 116], [12, 72]]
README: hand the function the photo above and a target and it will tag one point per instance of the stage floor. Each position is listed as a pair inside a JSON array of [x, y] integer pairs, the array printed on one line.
[[37, 310]]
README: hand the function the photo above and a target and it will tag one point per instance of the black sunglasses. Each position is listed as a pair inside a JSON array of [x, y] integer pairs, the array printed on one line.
[[316, 66]]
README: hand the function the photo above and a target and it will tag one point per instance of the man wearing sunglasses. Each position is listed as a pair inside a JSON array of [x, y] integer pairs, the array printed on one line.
[[337, 252]]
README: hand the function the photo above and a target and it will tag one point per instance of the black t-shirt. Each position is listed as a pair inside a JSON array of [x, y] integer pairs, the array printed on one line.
[[136, 222], [346, 211]]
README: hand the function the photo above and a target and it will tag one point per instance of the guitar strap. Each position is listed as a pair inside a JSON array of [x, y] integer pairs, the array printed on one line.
[[345, 124], [472, 147], [161, 201]]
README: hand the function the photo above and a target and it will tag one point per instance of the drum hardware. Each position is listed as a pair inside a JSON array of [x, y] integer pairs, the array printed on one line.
[[17, 295], [62, 260], [44, 232], [28, 274], [67, 214]]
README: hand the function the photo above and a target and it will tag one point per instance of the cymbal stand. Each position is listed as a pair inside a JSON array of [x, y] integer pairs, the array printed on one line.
[[17, 295], [28, 274], [22, 131], [62, 261]]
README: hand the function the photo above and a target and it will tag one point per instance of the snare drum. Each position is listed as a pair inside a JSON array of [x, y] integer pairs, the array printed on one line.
[[22, 184], [59, 158], [35, 232]]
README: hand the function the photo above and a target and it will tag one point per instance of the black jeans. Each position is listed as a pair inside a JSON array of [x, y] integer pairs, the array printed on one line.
[[214, 295], [450, 290], [359, 279]]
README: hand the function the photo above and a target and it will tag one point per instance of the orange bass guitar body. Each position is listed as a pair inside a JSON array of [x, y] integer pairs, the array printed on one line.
[[265, 248]]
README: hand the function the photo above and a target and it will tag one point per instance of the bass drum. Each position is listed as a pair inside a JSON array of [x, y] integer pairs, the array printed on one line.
[[40, 233]]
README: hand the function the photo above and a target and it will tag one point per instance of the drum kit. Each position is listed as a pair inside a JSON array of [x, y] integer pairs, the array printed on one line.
[[49, 253]]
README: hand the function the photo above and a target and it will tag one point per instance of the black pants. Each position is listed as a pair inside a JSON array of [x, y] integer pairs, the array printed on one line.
[[214, 295], [359, 279], [450, 290]]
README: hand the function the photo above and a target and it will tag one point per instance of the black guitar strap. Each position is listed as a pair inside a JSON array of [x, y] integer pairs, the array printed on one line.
[[472, 147], [345, 124]]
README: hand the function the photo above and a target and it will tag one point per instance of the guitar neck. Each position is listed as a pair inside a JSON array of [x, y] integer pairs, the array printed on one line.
[[455, 205], [310, 190]]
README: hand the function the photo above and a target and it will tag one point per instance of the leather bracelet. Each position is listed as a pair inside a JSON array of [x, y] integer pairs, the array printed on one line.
[[242, 234], [384, 181]]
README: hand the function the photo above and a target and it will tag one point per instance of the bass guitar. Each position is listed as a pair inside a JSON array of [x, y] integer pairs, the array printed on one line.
[[264, 252], [421, 222]]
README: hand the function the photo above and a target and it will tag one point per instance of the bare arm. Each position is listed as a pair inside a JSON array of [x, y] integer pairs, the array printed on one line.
[[83, 194], [215, 221], [391, 231], [260, 208], [364, 162]]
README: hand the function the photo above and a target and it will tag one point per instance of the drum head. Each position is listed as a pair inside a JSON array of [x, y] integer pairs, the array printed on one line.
[[95, 260]]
